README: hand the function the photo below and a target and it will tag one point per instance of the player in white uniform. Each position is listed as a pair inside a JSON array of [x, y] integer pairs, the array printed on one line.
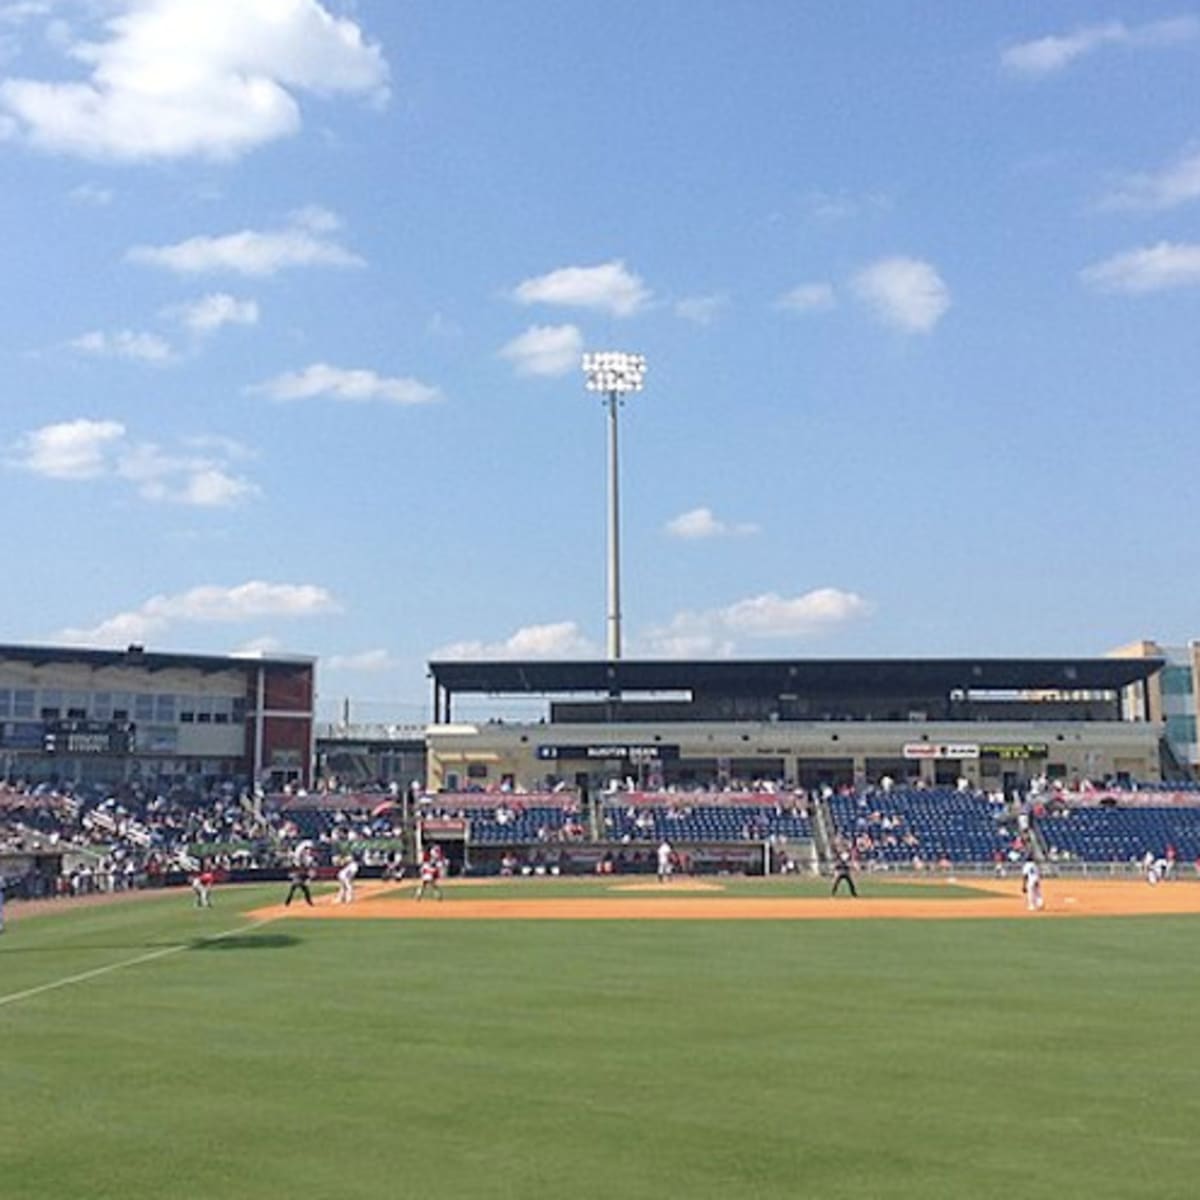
[[1031, 885], [665, 865], [345, 878]]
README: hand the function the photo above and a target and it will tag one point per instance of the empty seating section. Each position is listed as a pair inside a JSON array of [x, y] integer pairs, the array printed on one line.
[[704, 817], [517, 824], [1121, 834], [930, 824]]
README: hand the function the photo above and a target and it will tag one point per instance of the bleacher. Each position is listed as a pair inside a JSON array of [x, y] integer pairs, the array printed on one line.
[[1114, 834], [931, 824], [704, 817], [510, 818]]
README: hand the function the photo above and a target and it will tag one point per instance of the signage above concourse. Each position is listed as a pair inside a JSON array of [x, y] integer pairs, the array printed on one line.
[[1020, 750], [941, 750], [624, 751], [88, 737]]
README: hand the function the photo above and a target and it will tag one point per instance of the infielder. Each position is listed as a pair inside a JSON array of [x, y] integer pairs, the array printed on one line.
[[345, 878], [1031, 885], [665, 866]]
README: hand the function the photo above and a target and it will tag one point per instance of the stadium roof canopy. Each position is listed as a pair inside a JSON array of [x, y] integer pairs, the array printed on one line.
[[811, 676], [146, 660]]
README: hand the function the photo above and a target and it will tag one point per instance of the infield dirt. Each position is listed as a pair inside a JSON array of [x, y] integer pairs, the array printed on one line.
[[998, 899]]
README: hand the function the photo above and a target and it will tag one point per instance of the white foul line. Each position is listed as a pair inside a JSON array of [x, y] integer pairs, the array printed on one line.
[[83, 976]]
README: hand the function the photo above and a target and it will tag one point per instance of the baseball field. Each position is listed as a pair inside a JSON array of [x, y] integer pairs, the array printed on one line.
[[605, 1039]]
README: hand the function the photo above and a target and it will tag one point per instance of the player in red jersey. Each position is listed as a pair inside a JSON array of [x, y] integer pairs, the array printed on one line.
[[202, 885], [432, 869]]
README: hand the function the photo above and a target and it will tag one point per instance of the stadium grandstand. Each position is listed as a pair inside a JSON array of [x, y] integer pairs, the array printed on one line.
[[82, 716]]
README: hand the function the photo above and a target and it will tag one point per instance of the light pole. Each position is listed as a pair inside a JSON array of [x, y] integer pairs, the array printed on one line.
[[614, 374]]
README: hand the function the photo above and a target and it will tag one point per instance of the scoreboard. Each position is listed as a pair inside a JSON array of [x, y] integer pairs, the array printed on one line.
[[88, 737]]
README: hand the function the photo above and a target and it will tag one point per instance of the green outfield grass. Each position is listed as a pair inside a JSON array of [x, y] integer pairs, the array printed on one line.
[[963, 1059]]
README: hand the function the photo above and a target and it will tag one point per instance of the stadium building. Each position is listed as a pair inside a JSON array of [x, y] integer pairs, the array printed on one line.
[[83, 715], [1171, 696], [806, 722]]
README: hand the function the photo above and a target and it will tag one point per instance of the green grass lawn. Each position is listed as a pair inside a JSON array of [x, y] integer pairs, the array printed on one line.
[[623, 1059]]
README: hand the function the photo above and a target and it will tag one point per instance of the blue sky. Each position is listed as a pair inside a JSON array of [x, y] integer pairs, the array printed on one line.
[[297, 292]]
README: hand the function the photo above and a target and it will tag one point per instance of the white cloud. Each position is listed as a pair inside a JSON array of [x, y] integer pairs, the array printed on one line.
[[205, 605], [85, 449], [173, 79], [905, 293], [366, 661], [545, 350], [610, 288], [1149, 269], [339, 383], [1045, 55], [700, 523], [561, 639], [808, 298], [257, 647], [250, 252], [90, 193], [201, 481], [717, 632], [125, 343], [702, 310], [69, 450], [1174, 185], [209, 313]]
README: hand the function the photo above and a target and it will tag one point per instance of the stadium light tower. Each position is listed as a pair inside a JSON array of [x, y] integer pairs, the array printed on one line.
[[614, 374]]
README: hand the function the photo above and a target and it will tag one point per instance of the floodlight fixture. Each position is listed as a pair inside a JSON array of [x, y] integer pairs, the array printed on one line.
[[614, 374]]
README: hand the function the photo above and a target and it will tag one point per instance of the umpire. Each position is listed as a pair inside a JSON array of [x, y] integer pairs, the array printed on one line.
[[842, 873], [298, 881]]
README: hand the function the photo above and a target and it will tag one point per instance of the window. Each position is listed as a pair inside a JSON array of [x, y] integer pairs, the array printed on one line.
[[122, 703], [164, 709], [77, 714], [22, 705], [1176, 681], [51, 698], [187, 717], [102, 705], [5, 702], [1181, 730], [143, 707]]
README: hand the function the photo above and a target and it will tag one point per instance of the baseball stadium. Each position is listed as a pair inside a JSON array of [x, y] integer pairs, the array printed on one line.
[[568, 1009], [349, 848]]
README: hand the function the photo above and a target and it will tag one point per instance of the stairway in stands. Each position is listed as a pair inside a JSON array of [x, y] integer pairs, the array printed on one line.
[[822, 824]]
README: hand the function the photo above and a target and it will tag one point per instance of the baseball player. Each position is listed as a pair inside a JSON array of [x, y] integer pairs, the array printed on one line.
[[431, 874], [202, 885], [1031, 885], [345, 878], [665, 863]]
